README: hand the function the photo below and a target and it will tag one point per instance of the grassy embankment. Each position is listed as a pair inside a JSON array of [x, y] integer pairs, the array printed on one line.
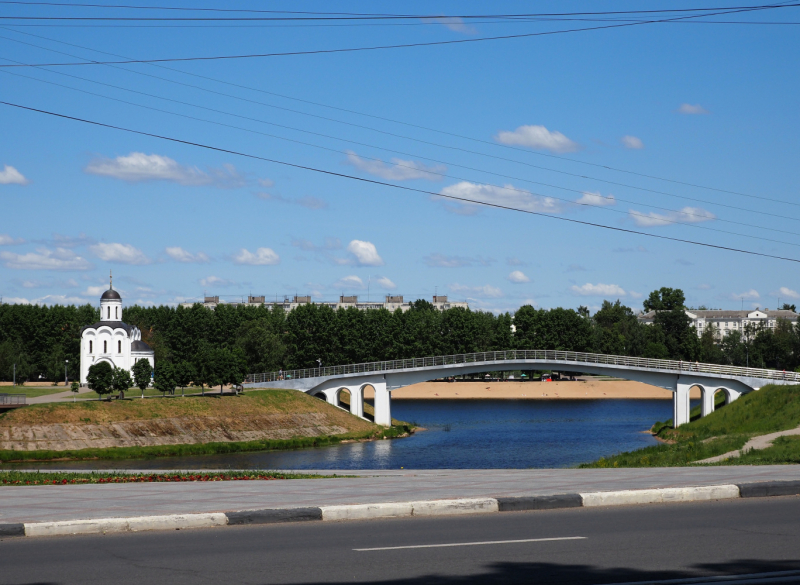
[[13, 478], [252, 412], [771, 409]]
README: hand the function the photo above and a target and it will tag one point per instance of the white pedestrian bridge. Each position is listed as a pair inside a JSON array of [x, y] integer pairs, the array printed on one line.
[[383, 377]]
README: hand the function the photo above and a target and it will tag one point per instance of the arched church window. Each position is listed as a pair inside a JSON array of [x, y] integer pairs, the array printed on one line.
[[105, 347], [109, 312], [90, 347], [119, 347]]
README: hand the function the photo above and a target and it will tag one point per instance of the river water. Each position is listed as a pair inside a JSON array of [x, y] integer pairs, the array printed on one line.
[[461, 434]]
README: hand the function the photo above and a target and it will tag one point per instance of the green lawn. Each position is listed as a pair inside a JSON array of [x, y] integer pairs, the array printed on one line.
[[136, 393], [771, 409], [33, 391]]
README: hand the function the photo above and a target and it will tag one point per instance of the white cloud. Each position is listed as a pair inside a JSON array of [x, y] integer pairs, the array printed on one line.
[[685, 215], [598, 290], [216, 281], [365, 252], [308, 202], [349, 283], [635, 295], [45, 259], [692, 109], [46, 300], [537, 137], [507, 196], [399, 170], [94, 291], [596, 199], [576, 268], [453, 23], [262, 257], [385, 283], [486, 291], [11, 176], [6, 240], [515, 262], [266, 183], [632, 142], [122, 253], [750, 295], [704, 287], [787, 292], [518, 277], [137, 167], [181, 255]]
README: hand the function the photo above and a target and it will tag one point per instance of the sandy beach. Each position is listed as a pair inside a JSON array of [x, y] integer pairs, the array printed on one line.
[[535, 390]]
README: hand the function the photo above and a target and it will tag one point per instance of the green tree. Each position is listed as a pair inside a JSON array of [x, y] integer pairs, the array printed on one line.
[[164, 378], [184, 374], [788, 307], [100, 378], [618, 331], [710, 351], [121, 381], [262, 347], [142, 372], [74, 388], [665, 299]]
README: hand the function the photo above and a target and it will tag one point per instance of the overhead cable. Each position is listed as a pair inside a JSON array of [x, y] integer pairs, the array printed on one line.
[[393, 186]]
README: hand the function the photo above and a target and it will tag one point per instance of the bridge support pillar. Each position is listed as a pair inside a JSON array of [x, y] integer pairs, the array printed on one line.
[[731, 395], [357, 401], [383, 404], [680, 405], [707, 400]]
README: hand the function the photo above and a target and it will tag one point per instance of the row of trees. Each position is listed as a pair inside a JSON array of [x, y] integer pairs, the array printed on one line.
[[220, 346]]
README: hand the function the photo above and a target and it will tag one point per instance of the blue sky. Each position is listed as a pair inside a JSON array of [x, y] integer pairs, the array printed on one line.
[[697, 104]]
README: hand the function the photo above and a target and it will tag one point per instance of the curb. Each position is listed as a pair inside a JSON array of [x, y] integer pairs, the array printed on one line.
[[449, 507]]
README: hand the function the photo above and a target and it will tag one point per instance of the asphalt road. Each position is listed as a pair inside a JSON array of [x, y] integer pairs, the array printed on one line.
[[617, 544]]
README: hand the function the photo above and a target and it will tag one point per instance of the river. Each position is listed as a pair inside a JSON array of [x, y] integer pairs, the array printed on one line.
[[461, 434]]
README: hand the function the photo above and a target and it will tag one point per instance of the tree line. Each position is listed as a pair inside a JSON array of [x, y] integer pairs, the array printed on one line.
[[198, 343]]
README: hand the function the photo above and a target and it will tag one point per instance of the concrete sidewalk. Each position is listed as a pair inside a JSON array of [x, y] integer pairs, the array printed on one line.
[[72, 502]]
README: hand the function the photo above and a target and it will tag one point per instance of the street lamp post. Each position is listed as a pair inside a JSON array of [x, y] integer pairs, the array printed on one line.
[[65, 372]]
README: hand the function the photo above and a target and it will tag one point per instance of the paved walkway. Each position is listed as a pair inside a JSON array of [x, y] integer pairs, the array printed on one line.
[[48, 503], [66, 396], [759, 442]]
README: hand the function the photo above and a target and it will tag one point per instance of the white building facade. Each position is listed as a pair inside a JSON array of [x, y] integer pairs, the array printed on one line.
[[725, 321], [111, 340]]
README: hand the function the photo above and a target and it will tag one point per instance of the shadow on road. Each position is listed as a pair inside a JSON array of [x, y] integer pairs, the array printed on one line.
[[545, 573]]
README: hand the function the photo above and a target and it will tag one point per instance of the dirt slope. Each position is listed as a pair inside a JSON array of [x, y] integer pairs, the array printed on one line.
[[267, 414]]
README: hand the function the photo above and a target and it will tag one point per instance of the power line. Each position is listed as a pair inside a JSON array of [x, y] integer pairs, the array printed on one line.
[[782, 216], [385, 184], [680, 213], [384, 47], [659, 219], [455, 135], [347, 15]]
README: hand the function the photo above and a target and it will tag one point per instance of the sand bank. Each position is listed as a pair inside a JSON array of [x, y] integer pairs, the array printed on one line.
[[535, 390]]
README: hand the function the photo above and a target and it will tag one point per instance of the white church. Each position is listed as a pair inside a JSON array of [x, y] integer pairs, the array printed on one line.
[[110, 340]]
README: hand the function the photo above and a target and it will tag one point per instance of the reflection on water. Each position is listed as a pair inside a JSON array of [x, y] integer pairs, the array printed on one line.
[[461, 434]]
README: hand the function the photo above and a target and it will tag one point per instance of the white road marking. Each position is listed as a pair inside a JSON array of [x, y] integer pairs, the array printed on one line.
[[470, 543]]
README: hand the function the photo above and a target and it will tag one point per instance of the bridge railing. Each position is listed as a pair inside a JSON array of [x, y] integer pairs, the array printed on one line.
[[12, 399], [496, 357]]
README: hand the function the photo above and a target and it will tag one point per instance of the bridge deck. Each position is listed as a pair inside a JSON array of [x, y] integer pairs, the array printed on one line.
[[496, 358]]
